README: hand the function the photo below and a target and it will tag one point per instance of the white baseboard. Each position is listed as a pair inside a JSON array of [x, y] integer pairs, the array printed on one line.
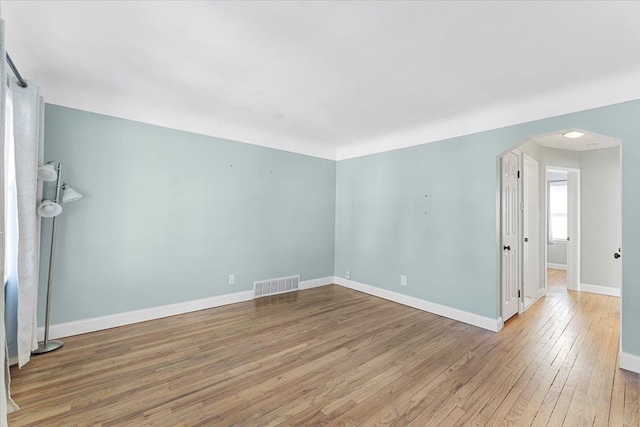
[[629, 361], [441, 310], [77, 327], [93, 324], [556, 266], [67, 329], [597, 289], [314, 283]]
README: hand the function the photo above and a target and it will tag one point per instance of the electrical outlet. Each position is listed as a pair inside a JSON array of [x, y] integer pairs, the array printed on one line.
[[232, 279], [403, 280], [348, 275]]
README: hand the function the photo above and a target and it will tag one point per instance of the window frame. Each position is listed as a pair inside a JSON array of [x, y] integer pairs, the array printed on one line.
[[550, 183]]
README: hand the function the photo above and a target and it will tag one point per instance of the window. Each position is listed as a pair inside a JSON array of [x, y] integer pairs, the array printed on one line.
[[558, 210]]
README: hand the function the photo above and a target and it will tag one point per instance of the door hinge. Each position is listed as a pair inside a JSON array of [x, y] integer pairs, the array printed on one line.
[[518, 174], [518, 293]]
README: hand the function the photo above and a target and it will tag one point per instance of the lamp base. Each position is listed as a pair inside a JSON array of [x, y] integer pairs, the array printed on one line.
[[47, 347]]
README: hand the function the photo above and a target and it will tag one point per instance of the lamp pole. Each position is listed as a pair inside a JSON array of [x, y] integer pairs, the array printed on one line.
[[50, 345]]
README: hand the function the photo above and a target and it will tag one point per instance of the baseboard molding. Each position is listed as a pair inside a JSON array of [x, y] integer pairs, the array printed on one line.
[[629, 362], [61, 330], [67, 329], [557, 266], [441, 310], [597, 289], [77, 327], [314, 283]]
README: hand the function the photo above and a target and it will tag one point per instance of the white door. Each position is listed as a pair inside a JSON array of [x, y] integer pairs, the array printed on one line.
[[530, 247], [573, 229], [510, 235]]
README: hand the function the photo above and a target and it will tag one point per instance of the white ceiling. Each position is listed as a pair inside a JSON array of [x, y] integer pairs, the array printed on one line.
[[589, 141], [328, 79]]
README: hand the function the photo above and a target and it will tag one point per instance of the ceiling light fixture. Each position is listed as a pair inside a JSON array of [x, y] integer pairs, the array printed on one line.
[[573, 134]]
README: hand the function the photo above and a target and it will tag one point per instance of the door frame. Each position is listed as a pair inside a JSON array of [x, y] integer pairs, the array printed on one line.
[[523, 212], [573, 226], [498, 238]]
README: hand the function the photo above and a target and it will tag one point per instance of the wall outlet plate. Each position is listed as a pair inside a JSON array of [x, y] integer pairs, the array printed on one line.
[[232, 279], [348, 275], [403, 280]]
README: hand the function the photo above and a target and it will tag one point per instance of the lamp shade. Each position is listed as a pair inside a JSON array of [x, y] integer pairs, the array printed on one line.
[[47, 172], [49, 209], [69, 194]]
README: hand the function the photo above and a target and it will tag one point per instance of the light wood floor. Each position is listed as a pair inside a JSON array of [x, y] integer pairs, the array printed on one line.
[[333, 356]]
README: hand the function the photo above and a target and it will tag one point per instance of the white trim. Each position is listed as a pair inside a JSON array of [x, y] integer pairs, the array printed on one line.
[[499, 239], [441, 310], [341, 281], [528, 178], [558, 242], [629, 362], [557, 266], [77, 327], [93, 324], [314, 283], [598, 289]]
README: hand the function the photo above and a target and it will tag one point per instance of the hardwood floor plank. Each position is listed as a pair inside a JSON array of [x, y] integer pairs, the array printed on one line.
[[631, 417], [333, 356], [616, 415]]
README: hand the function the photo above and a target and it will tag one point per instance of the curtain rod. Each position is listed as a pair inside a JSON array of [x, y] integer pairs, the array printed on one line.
[[21, 81]]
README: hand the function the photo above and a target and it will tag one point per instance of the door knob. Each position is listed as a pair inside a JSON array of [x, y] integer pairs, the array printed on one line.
[[507, 248], [616, 255]]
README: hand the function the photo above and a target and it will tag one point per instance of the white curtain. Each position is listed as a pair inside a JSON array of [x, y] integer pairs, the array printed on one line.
[[28, 147], [6, 404], [10, 278], [21, 152]]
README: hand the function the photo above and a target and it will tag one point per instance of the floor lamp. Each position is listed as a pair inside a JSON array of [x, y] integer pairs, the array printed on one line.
[[51, 209]]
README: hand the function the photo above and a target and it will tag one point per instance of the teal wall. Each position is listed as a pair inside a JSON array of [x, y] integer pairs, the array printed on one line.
[[422, 212], [168, 215], [600, 217], [429, 212]]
